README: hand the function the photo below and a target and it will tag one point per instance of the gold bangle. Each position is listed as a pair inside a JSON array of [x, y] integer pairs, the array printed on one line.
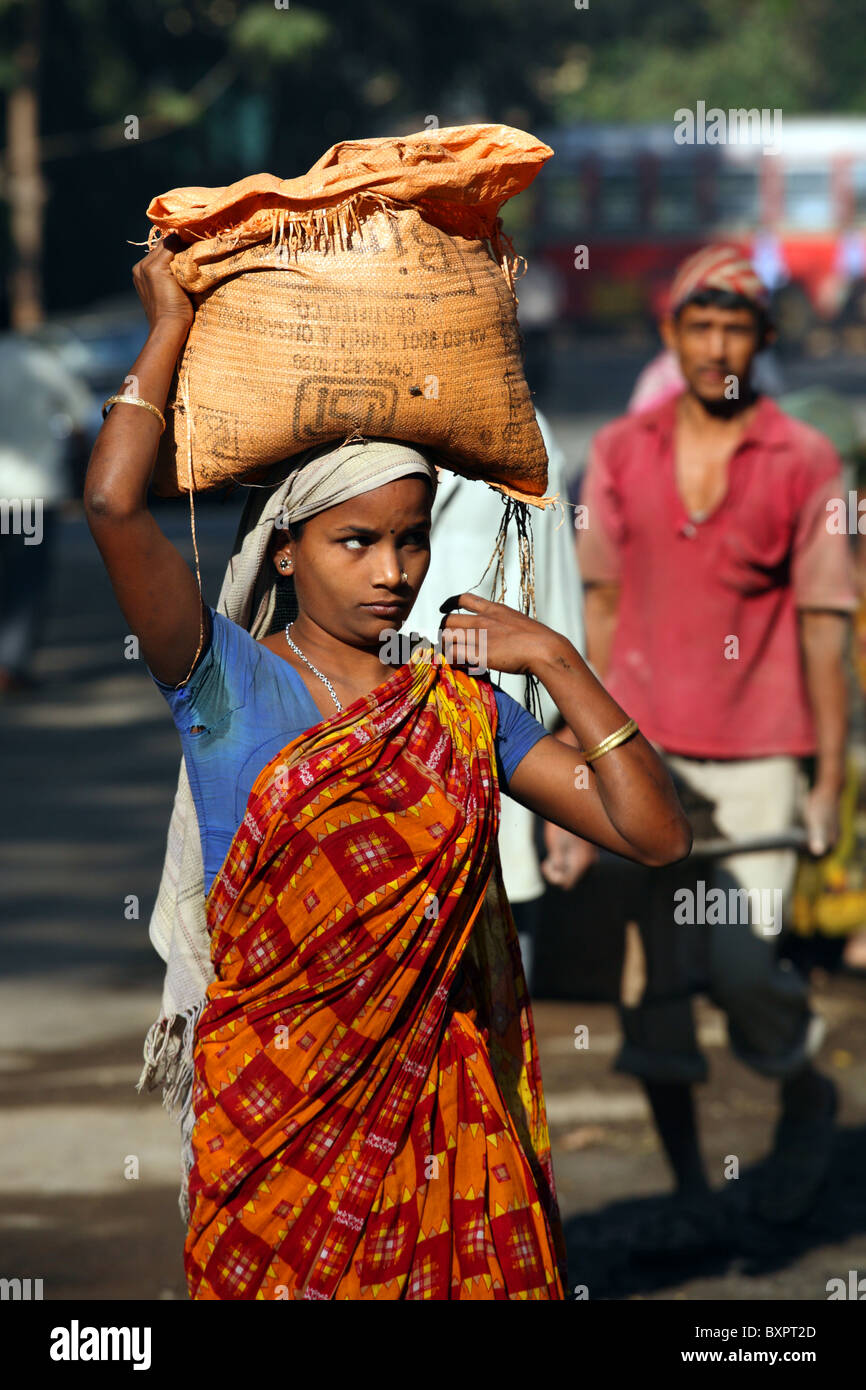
[[612, 741], [134, 400]]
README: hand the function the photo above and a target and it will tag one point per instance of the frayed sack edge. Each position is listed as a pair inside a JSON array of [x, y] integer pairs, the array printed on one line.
[[169, 1063], [331, 227]]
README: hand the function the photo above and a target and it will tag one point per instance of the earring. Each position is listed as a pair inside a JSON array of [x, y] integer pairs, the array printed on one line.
[[285, 564]]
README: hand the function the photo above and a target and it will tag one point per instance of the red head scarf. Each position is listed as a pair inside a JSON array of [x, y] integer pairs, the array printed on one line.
[[717, 268]]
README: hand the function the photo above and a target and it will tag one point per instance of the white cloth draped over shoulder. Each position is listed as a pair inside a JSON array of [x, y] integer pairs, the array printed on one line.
[[466, 516]]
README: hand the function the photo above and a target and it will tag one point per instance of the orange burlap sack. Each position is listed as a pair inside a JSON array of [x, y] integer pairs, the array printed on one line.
[[372, 297]]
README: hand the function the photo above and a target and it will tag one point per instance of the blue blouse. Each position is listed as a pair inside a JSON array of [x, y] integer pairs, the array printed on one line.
[[251, 704]]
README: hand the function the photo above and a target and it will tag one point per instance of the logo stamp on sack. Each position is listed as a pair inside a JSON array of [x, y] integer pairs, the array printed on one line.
[[324, 403], [219, 428]]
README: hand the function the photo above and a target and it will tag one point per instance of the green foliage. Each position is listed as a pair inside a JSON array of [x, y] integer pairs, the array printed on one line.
[[167, 104], [616, 60], [751, 67], [278, 37], [112, 76], [225, 87], [636, 62]]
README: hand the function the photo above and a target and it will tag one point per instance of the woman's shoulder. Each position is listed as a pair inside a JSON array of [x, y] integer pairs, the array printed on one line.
[[240, 677], [274, 680], [513, 718], [233, 642], [515, 729], [263, 664], [498, 703], [221, 676], [229, 630]]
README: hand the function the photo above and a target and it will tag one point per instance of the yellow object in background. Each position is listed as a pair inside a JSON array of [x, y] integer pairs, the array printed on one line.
[[830, 893]]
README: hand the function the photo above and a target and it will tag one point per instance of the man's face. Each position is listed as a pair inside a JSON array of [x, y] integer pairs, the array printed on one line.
[[715, 348]]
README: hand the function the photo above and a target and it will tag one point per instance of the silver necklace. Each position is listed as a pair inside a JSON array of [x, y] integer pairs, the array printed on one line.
[[314, 669]]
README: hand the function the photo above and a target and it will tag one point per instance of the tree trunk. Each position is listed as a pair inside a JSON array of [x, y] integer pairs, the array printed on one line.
[[25, 189]]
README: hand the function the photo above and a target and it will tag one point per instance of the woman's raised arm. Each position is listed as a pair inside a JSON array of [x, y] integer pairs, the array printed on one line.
[[625, 800], [155, 587]]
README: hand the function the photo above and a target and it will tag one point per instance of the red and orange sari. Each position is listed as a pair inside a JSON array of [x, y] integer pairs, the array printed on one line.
[[369, 1120]]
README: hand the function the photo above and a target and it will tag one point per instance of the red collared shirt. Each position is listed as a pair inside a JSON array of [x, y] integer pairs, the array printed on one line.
[[706, 654]]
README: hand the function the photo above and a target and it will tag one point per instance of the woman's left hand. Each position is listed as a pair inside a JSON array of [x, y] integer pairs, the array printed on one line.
[[496, 636], [626, 801]]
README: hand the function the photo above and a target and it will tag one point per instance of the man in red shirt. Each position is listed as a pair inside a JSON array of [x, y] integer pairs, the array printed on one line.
[[717, 612]]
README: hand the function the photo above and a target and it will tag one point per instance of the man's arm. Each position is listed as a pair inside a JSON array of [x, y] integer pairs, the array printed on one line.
[[601, 608], [598, 542], [825, 595], [823, 641], [569, 857], [597, 551]]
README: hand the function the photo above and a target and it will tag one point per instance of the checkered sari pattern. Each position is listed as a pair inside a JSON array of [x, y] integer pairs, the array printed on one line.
[[369, 1119]]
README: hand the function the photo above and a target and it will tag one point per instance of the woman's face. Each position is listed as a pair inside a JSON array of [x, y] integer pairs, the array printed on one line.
[[350, 558]]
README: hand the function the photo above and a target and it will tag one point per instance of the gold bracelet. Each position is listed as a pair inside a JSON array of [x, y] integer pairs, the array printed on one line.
[[612, 741], [134, 400]]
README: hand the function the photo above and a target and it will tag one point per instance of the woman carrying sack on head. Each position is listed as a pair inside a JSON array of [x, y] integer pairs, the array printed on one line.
[[365, 1112]]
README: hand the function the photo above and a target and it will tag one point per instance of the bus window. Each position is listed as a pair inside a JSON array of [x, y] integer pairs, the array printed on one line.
[[736, 197], [565, 211], [808, 201], [676, 205], [619, 200]]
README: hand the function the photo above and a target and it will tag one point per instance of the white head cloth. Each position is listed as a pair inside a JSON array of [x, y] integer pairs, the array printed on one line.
[[327, 476]]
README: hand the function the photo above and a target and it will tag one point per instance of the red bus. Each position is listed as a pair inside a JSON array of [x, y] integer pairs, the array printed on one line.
[[639, 202]]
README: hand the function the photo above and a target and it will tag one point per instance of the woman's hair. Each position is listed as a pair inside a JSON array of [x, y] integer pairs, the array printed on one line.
[[285, 598]]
